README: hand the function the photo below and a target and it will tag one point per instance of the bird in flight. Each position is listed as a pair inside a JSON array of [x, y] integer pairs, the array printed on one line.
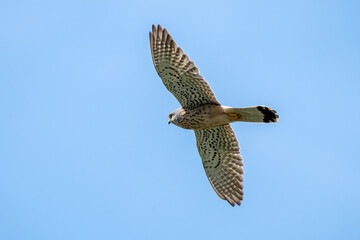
[[201, 112]]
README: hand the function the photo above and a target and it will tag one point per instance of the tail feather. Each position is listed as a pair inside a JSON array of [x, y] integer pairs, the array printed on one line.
[[257, 114]]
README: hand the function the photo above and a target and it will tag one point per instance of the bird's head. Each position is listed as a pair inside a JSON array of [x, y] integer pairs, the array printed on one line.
[[174, 116]]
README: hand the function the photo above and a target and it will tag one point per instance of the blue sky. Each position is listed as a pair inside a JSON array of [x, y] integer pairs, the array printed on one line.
[[86, 151]]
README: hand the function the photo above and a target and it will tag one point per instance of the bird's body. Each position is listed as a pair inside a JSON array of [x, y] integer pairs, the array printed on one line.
[[202, 117], [215, 115], [201, 112]]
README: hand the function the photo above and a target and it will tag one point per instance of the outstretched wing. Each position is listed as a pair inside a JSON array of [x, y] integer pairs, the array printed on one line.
[[220, 154], [179, 75]]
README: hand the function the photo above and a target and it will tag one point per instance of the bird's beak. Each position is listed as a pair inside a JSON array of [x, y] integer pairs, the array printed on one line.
[[169, 121]]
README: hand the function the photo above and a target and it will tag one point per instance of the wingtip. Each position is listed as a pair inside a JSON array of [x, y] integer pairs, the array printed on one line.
[[158, 29], [230, 201]]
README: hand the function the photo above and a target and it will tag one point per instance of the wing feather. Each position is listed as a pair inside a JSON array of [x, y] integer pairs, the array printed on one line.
[[179, 75], [220, 154]]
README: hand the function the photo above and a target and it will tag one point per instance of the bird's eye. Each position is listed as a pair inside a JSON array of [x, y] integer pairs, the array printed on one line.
[[170, 116]]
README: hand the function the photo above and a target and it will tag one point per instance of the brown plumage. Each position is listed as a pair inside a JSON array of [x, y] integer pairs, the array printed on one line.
[[215, 139]]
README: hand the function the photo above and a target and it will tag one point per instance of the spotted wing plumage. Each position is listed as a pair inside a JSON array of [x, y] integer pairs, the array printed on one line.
[[220, 154], [179, 75]]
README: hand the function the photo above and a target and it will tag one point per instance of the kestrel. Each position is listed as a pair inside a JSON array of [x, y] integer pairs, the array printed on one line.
[[201, 112]]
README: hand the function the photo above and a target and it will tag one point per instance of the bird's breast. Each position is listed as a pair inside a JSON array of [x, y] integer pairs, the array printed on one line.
[[203, 117]]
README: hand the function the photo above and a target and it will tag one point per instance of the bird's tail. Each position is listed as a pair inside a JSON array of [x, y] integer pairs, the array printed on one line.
[[257, 114]]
